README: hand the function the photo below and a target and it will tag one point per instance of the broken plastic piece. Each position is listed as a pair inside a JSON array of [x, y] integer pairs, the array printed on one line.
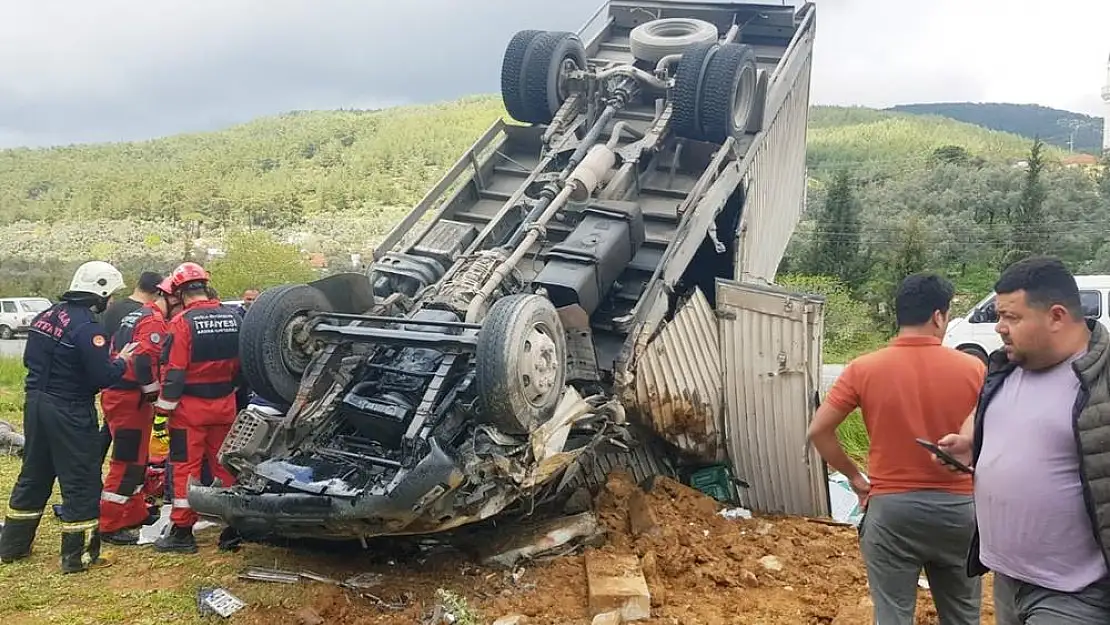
[[736, 513], [218, 601]]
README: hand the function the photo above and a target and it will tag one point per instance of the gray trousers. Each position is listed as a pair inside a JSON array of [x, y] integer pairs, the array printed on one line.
[[1020, 603], [901, 534]]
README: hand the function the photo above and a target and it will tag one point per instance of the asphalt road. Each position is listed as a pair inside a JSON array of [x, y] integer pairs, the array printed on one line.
[[12, 348]]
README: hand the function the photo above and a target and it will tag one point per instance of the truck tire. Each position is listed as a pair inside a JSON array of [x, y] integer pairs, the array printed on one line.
[[532, 73], [686, 96], [6, 333], [974, 350], [643, 460], [672, 35], [512, 74], [521, 360], [728, 92], [270, 363]]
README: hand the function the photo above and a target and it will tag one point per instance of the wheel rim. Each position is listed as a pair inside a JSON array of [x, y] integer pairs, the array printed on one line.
[[742, 98], [539, 365], [297, 344], [568, 65]]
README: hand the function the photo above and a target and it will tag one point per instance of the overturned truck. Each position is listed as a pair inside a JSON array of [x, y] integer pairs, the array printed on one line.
[[588, 290]]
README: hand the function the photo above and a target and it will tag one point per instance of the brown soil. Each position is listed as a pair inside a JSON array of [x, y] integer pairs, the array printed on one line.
[[701, 568]]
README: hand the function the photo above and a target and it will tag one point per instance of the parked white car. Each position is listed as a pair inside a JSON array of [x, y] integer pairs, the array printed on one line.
[[16, 314], [974, 333]]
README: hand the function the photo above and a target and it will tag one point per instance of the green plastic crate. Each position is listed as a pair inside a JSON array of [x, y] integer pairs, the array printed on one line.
[[715, 481]]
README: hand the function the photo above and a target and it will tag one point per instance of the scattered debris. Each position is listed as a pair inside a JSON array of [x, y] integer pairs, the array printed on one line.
[[544, 539], [691, 577], [259, 574], [396, 606], [616, 583], [363, 581], [451, 609], [514, 619], [771, 563], [218, 601], [736, 513]]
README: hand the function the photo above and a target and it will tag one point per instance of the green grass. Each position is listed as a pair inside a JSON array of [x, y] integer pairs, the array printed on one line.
[[142, 587], [11, 390], [853, 435]]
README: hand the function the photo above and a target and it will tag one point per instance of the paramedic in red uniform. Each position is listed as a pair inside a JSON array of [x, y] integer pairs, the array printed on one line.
[[199, 382], [129, 413]]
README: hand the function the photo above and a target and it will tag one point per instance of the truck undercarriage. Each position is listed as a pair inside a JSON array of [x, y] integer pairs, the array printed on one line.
[[488, 363]]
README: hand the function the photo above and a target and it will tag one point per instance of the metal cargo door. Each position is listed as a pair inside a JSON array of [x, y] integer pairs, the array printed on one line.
[[771, 350]]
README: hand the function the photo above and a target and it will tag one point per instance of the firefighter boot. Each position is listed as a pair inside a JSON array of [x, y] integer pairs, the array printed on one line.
[[178, 540], [121, 537], [16, 537], [77, 557]]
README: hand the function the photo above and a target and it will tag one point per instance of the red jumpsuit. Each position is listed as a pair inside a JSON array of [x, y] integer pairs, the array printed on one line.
[[199, 380], [129, 415]]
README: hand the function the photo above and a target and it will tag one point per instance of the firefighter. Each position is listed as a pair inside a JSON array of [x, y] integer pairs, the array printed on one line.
[[68, 363], [129, 412], [199, 383]]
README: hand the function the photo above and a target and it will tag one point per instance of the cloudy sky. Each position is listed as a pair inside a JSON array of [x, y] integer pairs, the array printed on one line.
[[108, 70]]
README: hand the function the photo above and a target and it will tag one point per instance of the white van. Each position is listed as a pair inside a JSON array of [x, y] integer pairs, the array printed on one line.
[[975, 335], [16, 314]]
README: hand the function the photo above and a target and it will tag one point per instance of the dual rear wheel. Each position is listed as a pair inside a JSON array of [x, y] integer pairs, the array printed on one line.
[[715, 96]]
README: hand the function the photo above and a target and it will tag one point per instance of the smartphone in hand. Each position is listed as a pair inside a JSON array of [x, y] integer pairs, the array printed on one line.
[[945, 457]]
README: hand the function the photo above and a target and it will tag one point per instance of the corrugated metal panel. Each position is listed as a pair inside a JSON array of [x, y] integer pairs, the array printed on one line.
[[775, 182], [771, 349], [678, 381]]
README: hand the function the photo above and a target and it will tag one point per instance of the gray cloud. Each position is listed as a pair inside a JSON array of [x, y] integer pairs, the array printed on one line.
[[73, 71]]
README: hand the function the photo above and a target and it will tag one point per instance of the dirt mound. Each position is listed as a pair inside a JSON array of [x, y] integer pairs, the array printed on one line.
[[701, 569]]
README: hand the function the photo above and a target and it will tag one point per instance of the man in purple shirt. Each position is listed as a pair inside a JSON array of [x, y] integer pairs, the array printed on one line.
[[1041, 450]]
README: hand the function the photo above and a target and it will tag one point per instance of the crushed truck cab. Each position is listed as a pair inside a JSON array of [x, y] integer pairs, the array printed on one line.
[[559, 303]]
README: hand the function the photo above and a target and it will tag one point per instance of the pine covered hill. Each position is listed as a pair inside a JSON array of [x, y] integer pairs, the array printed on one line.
[[333, 182], [1053, 126]]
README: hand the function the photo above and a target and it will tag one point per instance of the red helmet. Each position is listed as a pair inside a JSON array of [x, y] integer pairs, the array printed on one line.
[[166, 286], [185, 273]]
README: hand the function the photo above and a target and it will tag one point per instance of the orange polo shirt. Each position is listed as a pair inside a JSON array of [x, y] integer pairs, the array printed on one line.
[[913, 388]]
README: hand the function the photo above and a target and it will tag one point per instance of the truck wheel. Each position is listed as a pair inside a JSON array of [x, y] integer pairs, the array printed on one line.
[[728, 92], [673, 35], [973, 350], [686, 95], [6, 333], [533, 84], [271, 353], [521, 363], [512, 73], [643, 460]]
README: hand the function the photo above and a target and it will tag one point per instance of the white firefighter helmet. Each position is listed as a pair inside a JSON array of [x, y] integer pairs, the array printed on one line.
[[96, 277]]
